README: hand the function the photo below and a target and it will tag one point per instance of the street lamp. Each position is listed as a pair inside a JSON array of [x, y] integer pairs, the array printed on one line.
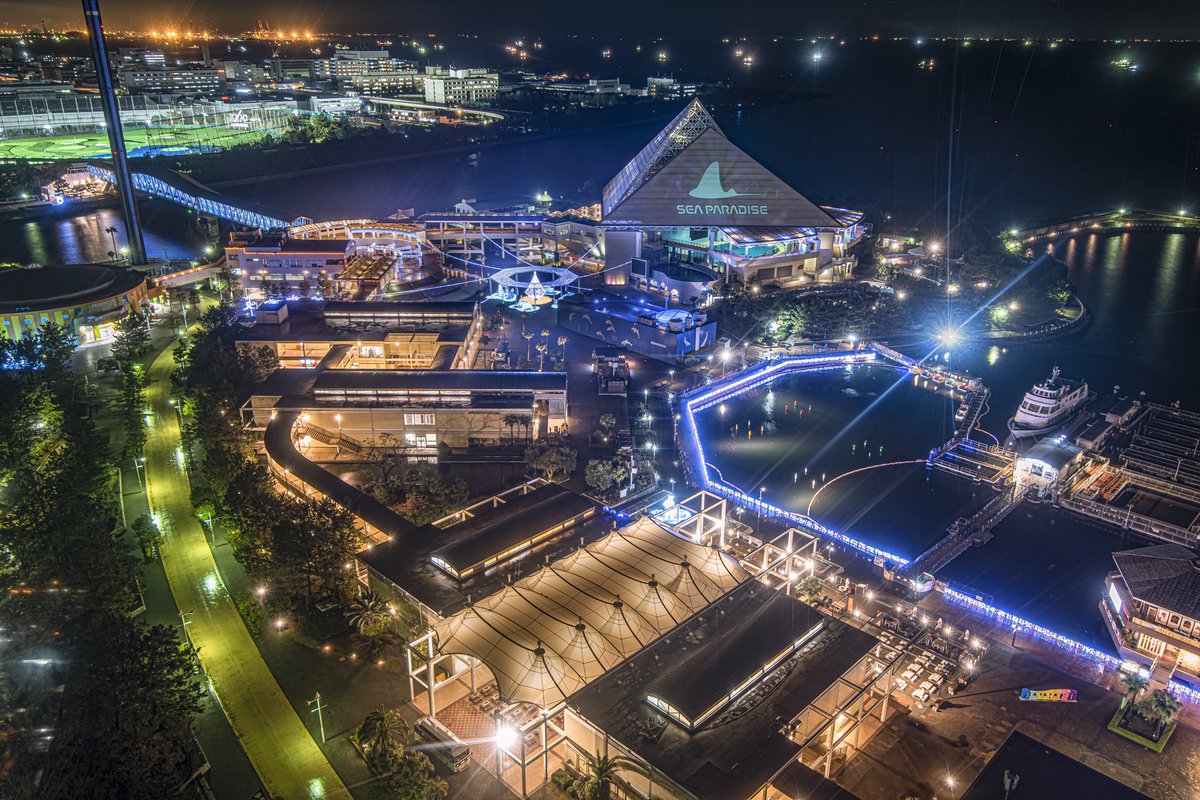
[[137, 468]]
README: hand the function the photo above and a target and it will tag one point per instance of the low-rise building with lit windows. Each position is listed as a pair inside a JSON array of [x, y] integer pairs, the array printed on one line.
[[86, 299], [367, 335], [1151, 606]]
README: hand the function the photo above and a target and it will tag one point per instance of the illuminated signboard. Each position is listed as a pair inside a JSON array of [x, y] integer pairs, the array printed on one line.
[[713, 183], [1115, 597], [1049, 695]]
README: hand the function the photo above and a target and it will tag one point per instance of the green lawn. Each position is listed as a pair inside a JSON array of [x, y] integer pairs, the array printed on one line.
[[93, 145]]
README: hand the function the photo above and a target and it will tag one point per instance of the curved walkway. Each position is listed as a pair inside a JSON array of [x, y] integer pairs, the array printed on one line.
[[287, 760]]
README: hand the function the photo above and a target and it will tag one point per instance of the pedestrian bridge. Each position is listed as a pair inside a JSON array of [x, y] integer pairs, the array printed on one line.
[[167, 184]]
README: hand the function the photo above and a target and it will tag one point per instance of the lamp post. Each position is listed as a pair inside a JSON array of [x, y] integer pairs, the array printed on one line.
[[319, 709], [758, 522]]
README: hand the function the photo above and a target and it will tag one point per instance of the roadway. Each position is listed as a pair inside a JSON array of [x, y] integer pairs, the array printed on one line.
[[283, 753]]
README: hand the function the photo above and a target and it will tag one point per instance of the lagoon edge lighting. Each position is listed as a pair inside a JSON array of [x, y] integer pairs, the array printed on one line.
[[714, 393]]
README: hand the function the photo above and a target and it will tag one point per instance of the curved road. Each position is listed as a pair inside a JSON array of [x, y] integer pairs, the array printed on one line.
[[287, 760]]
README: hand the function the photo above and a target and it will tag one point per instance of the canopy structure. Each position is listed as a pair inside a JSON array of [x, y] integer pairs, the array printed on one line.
[[550, 634]]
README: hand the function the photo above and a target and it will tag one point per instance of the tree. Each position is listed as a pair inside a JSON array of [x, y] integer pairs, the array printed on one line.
[[383, 735], [607, 423], [132, 339], [602, 770], [809, 587], [1134, 683], [511, 421], [792, 321], [598, 474], [1161, 708], [127, 709], [371, 616], [148, 536], [528, 337], [414, 778], [542, 348], [551, 458]]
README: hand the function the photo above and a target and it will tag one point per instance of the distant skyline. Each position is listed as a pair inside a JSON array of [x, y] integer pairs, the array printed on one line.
[[671, 19]]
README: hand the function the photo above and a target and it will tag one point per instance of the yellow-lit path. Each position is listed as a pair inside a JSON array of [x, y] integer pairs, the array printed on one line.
[[287, 760]]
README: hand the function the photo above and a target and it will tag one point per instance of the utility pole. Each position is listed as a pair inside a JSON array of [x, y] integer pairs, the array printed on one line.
[[116, 137], [316, 701]]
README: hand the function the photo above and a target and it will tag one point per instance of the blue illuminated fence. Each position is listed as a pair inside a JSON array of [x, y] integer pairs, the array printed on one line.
[[744, 381]]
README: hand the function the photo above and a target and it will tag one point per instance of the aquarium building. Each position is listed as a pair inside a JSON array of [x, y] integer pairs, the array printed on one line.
[[692, 208]]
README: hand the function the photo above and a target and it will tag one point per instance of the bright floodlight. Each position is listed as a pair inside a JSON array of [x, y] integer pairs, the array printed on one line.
[[949, 336], [506, 737], [817, 56], [1183, 212]]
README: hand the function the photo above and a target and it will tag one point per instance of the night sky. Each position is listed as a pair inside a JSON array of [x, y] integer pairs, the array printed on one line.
[[671, 19]]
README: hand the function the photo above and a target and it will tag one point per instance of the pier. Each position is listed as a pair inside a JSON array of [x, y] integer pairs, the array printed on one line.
[[964, 533], [973, 460], [1119, 221]]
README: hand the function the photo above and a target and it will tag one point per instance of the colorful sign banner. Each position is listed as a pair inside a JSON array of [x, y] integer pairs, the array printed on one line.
[[1049, 695]]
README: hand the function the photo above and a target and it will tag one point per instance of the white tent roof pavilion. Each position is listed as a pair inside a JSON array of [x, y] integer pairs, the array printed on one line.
[[549, 635]]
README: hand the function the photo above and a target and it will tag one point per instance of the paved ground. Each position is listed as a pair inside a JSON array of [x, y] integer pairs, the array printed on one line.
[[276, 741], [927, 754]]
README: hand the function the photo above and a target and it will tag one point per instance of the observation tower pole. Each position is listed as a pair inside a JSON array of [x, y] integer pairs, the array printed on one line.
[[116, 137]]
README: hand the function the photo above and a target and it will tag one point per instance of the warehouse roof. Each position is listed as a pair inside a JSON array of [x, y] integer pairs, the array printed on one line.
[[507, 525], [694, 684]]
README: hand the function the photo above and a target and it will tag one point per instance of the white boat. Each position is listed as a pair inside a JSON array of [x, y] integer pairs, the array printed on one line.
[[1048, 405]]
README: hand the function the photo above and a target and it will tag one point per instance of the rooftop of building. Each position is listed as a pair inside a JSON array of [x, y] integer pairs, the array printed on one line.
[[348, 321], [500, 528], [404, 561], [699, 680], [1163, 575], [1043, 772], [1054, 452], [275, 241], [453, 380], [740, 749], [38, 288], [690, 174]]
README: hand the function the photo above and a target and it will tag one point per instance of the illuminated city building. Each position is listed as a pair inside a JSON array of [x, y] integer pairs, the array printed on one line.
[[86, 299], [1151, 606], [460, 87], [367, 336], [692, 208]]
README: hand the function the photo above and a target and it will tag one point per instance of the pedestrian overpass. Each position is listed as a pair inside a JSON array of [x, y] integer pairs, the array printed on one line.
[[167, 184]]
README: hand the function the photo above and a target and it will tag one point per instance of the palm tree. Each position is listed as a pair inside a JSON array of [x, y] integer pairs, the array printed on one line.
[[111, 230], [369, 614], [528, 337], [542, 347], [1134, 683], [383, 735], [512, 421], [562, 344], [1163, 707], [602, 770]]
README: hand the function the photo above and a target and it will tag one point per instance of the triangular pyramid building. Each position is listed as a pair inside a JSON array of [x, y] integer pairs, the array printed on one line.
[[691, 175]]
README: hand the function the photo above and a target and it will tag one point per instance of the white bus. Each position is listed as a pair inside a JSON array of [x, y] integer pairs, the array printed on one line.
[[445, 746]]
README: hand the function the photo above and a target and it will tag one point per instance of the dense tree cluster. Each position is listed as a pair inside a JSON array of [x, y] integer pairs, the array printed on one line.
[[415, 491], [97, 705], [299, 546]]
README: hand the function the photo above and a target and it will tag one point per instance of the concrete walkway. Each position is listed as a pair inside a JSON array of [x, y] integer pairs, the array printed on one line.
[[287, 760]]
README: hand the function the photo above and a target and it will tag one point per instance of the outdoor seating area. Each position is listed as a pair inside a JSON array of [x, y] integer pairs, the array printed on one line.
[[934, 657]]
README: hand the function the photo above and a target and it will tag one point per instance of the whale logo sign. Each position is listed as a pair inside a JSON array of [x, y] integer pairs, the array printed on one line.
[[710, 188]]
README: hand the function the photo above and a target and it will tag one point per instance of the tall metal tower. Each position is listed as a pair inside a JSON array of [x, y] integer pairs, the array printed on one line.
[[116, 137]]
